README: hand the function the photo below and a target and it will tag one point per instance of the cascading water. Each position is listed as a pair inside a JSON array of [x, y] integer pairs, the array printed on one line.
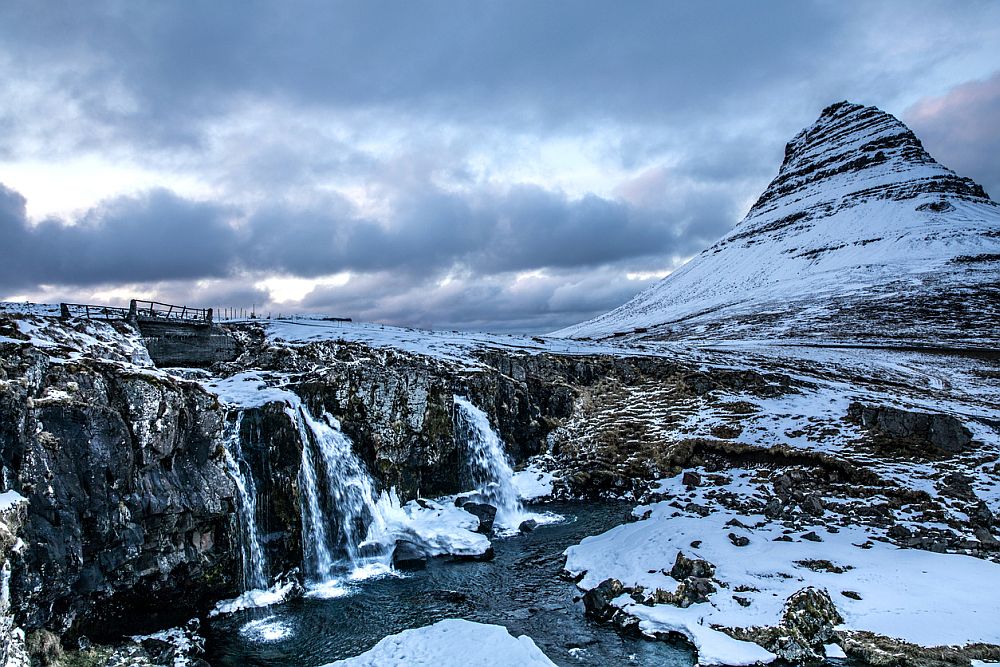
[[255, 592], [339, 494], [488, 463], [254, 575]]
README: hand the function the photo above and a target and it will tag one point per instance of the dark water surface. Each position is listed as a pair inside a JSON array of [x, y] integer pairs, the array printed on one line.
[[520, 589]]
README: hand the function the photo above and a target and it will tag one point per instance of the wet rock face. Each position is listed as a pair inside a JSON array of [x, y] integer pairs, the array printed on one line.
[[400, 417], [273, 452], [935, 434], [130, 505]]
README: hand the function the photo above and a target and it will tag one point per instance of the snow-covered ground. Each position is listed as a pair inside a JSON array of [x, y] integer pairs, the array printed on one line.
[[74, 339], [533, 483], [452, 643], [925, 598], [455, 346]]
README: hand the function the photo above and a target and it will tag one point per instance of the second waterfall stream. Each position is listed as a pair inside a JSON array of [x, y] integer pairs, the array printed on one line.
[[345, 531], [488, 465]]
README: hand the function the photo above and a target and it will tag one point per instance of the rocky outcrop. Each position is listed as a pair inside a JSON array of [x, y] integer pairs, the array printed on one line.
[[807, 623], [927, 433], [128, 525], [880, 651], [13, 511]]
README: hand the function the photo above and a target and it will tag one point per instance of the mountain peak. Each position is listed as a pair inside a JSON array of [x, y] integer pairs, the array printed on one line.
[[861, 149], [861, 235]]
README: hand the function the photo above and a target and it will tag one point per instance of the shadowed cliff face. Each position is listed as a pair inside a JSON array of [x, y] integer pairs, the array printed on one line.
[[129, 512]]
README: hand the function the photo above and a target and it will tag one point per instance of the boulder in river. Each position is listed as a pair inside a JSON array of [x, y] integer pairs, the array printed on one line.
[[408, 556], [597, 601], [485, 513]]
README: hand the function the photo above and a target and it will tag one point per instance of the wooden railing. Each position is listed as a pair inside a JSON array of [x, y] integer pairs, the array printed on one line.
[[137, 310], [154, 310], [92, 312]]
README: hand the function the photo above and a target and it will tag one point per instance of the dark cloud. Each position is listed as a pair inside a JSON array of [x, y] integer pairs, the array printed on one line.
[[544, 61], [156, 236], [159, 236], [538, 64]]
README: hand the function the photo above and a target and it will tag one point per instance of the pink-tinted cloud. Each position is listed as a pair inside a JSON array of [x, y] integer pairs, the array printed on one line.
[[961, 129]]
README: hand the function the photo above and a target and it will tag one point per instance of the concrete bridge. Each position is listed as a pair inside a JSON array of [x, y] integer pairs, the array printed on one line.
[[174, 335]]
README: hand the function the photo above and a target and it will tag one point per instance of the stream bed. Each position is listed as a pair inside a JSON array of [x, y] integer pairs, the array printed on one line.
[[519, 589]]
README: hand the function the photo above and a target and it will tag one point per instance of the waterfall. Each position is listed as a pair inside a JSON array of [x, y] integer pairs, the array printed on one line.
[[342, 523], [488, 463], [254, 574]]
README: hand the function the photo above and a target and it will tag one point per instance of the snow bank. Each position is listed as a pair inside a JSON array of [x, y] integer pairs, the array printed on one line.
[[9, 499], [921, 597], [250, 390], [454, 346], [714, 647], [439, 528], [452, 643]]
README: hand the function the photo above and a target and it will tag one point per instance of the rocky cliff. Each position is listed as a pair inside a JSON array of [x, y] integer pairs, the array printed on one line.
[[129, 503]]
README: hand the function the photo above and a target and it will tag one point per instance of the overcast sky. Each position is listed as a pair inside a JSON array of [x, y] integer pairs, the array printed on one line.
[[508, 166]]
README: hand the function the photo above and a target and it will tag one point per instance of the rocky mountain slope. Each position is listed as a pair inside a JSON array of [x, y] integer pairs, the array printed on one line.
[[861, 236]]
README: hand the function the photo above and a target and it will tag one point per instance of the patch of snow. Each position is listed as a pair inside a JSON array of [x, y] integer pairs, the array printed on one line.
[[8, 499], [714, 647], [454, 346], [255, 598], [533, 483], [452, 643], [250, 389], [439, 528], [834, 651]]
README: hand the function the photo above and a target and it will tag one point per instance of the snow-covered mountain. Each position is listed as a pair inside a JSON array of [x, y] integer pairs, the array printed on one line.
[[861, 236]]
